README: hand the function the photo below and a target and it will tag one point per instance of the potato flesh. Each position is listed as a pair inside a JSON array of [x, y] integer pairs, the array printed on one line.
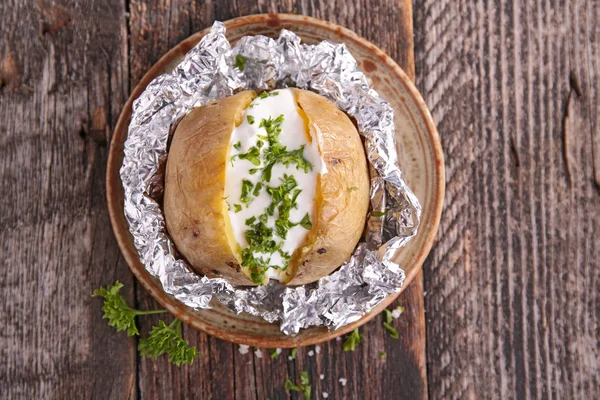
[[195, 187]]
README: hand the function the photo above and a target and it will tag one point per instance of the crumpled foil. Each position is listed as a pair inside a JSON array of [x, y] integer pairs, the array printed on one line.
[[208, 73]]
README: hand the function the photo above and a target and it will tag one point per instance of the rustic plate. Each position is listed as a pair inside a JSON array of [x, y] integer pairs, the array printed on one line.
[[419, 149]]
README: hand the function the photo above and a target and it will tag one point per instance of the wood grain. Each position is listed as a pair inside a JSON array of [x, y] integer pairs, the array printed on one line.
[[221, 371], [513, 308], [63, 73]]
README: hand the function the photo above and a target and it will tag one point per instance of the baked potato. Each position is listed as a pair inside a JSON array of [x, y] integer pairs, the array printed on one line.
[[269, 185]]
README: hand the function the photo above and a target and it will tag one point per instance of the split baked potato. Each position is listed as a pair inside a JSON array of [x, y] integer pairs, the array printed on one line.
[[201, 218]]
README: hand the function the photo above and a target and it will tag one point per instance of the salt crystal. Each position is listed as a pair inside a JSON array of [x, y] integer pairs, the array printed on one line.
[[258, 353], [243, 349], [343, 381], [322, 376], [325, 395], [278, 351], [337, 339], [311, 353], [318, 349], [397, 312]]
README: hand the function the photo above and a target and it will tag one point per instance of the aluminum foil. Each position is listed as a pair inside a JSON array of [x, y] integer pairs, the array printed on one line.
[[208, 73]]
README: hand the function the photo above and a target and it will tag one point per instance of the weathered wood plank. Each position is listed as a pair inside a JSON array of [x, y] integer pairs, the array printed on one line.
[[513, 284], [220, 371], [63, 73]]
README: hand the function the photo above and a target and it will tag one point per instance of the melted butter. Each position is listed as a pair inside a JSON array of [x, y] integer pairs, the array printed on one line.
[[295, 132]]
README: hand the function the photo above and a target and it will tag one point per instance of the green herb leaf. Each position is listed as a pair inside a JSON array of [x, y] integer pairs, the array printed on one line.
[[237, 208], [120, 316], [238, 145], [257, 188], [263, 95], [304, 378], [293, 353], [353, 188], [250, 119], [252, 155], [382, 355], [167, 339], [246, 196], [289, 385], [388, 316], [240, 62], [305, 223], [393, 332], [352, 340], [274, 354], [377, 214], [304, 386]]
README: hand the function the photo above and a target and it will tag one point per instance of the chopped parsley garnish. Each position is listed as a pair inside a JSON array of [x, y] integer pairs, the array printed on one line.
[[377, 214], [262, 239], [274, 354], [240, 62], [293, 353], [387, 324], [387, 315], [304, 386], [305, 223], [257, 188], [391, 330], [382, 354], [247, 187], [253, 155], [352, 340], [352, 189], [264, 95], [238, 145]]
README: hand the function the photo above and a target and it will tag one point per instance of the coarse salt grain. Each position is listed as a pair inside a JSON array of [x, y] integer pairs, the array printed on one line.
[[343, 381], [397, 312], [337, 339], [322, 376], [258, 353], [325, 395], [318, 349], [311, 353], [278, 351], [243, 349]]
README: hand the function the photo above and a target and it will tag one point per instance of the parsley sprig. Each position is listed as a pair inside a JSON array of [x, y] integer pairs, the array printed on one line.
[[167, 339], [304, 386], [120, 316], [163, 339]]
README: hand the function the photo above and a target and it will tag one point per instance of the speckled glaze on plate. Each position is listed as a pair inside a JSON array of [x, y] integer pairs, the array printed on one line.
[[419, 150]]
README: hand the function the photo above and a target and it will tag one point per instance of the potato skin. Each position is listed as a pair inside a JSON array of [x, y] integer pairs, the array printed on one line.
[[195, 187], [341, 212]]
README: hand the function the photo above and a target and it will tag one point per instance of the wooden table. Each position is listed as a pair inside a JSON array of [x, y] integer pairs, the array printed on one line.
[[511, 307]]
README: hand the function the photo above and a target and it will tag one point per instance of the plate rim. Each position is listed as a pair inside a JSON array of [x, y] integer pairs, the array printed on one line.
[[115, 202]]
